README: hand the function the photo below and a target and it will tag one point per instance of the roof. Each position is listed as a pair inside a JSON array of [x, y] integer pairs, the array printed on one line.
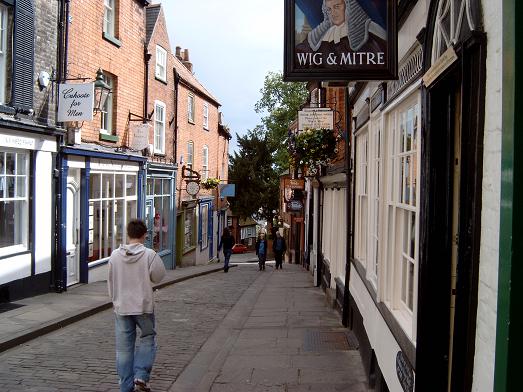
[[151, 16], [189, 79]]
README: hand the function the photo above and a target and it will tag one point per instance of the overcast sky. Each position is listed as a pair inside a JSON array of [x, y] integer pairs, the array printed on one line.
[[232, 45]]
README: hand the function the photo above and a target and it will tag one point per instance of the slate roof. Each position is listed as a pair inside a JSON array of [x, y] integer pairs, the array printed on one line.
[[151, 16]]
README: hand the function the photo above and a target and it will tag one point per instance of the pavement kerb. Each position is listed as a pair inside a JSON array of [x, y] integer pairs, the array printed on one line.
[[73, 317]]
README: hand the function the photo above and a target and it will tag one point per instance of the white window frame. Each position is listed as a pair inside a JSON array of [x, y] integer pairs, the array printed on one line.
[[109, 27], [190, 108], [19, 178], [206, 116], [401, 215], [159, 127], [190, 154], [3, 51], [107, 112], [161, 63], [362, 196], [205, 163]]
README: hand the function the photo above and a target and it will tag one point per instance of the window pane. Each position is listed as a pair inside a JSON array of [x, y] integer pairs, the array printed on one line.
[[94, 250], [404, 280], [131, 184], [10, 186], [407, 181], [94, 185], [406, 232], [411, 286], [21, 164], [14, 224], [412, 234], [107, 186], [21, 189], [119, 223], [150, 186], [119, 185]]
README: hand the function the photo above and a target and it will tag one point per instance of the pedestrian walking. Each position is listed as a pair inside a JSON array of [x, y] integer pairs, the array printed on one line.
[[279, 247], [226, 242], [133, 269], [261, 251]]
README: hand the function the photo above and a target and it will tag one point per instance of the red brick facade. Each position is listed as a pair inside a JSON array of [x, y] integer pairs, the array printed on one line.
[[88, 50]]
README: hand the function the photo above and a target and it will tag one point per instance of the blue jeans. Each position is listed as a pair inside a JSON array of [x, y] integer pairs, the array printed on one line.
[[134, 362], [227, 255]]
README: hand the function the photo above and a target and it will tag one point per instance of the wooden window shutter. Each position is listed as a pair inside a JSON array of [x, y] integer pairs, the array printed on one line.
[[23, 55]]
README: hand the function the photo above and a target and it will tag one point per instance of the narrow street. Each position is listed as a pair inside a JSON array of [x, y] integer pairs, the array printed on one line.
[[242, 331]]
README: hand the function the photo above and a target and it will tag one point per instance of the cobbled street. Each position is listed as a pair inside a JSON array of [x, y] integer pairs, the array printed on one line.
[[81, 357]]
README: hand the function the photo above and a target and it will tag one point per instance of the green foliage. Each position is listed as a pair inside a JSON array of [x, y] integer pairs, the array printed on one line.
[[314, 147], [280, 102], [253, 172]]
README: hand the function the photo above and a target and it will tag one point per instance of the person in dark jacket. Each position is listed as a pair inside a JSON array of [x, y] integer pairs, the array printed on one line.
[[279, 247], [261, 251], [227, 242]]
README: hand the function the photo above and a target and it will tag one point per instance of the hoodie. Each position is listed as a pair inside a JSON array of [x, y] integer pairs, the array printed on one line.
[[132, 271]]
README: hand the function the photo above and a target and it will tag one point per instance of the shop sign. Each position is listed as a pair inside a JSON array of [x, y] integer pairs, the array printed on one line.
[[75, 102], [404, 372], [294, 205], [227, 190], [340, 40], [315, 119], [298, 183], [440, 65], [140, 133], [17, 142]]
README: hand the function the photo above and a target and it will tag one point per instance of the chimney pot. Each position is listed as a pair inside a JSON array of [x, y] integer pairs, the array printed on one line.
[[186, 54], [178, 53]]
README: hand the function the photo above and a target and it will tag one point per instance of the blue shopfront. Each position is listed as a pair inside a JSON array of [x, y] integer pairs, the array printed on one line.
[[100, 191]]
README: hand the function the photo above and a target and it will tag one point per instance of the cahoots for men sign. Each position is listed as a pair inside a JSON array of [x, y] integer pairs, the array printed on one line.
[[340, 40]]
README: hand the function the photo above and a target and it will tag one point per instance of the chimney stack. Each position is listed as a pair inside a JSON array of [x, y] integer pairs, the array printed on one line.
[[178, 53], [185, 60]]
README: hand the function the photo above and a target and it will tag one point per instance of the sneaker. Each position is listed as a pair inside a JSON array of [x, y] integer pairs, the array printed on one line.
[[141, 386]]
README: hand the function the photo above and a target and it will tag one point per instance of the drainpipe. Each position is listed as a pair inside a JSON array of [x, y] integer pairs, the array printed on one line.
[[147, 58], [348, 251], [175, 139]]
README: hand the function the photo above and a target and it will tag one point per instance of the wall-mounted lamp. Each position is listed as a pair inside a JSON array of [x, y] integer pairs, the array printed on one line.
[[101, 91]]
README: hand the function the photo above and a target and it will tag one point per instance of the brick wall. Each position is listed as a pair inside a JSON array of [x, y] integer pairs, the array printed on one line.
[[88, 51], [45, 59], [161, 90]]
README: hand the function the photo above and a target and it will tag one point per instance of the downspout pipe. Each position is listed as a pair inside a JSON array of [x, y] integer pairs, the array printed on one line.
[[176, 89], [147, 58], [348, 252]]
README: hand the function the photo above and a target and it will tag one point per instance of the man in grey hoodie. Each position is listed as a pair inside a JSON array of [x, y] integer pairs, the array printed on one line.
[[133, 269]]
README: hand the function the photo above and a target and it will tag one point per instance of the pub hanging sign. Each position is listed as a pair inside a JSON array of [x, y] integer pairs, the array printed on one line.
[[340, 40]]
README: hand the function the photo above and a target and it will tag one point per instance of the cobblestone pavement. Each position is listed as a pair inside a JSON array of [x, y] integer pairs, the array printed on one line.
[[81, 357]]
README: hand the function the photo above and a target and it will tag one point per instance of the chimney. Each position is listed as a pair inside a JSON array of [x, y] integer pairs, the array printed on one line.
[[178, 53], [185, 60]]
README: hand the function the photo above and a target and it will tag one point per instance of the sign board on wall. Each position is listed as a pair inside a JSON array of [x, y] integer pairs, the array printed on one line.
[[298, 183], [315, 119], [140, 136], [75, 102], [340, 40]]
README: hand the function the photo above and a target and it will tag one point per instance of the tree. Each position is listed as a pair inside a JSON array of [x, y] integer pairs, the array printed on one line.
[[253, 172], [280, 101]]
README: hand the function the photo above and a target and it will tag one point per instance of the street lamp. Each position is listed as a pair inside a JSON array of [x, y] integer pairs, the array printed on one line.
[[101, 91]]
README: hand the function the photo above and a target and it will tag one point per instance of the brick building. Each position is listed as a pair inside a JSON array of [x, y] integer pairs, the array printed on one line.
[[102, 175], [28, 145], [203, 147]]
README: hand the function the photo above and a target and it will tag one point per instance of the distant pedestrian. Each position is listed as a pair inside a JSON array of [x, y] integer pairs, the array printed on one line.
[[279, 247], [226, 242], [133, 269], [261, 251]]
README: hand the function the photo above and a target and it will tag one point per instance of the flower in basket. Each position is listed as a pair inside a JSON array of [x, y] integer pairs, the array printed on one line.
[[315, 147], [210, 183]]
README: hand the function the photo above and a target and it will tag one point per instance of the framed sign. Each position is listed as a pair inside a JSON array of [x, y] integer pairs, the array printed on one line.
[[75, 102], [340, 40], [315, 118]]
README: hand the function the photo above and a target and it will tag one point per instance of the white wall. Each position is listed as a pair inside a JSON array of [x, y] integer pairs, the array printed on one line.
[[489, 250], [44, 207]]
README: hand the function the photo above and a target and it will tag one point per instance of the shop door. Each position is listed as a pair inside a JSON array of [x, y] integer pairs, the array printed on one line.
[[73, 228]]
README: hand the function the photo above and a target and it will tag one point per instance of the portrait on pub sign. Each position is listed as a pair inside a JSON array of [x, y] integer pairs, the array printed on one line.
[[340, 40]]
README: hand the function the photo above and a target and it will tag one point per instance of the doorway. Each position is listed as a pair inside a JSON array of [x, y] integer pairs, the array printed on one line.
[[73, 227]]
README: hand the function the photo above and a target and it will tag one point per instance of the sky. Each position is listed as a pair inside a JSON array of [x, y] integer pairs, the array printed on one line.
[[232, 44]]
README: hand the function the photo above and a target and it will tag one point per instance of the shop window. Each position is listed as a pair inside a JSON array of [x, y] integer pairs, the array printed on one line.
[[205, 163], [160, 190], [190, 108], [14, 202], [403, 213], [204, 214], [206, 116], [362, 200], [112, 203], [159, 127], [161, 63], [189, 238], [107, 112]]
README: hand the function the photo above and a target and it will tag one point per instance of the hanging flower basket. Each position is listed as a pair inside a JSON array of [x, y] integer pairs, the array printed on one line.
[[314, 148], [210, 183]]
